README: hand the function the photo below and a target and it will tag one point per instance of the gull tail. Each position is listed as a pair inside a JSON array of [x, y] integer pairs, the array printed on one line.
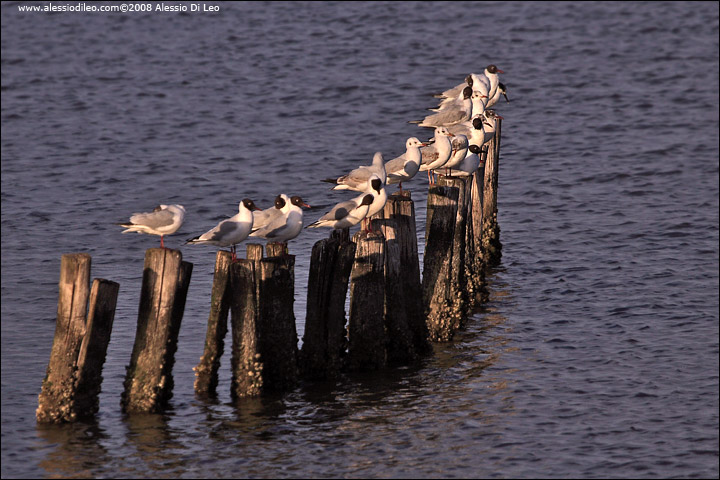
[[330, 180]]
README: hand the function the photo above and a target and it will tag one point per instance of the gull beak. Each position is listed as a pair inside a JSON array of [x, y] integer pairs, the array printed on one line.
[[306, 205], [499, 71], [498, 116]]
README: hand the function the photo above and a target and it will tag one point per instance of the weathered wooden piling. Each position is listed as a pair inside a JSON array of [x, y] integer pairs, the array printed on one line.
[[491, 228], [206, 372], [247, 379], [367, 341], [325, 340], [74, 373], [474, 253], [278, 339], [264, 336], [148, 381], [444, 281], [101, 314], [404, 314]]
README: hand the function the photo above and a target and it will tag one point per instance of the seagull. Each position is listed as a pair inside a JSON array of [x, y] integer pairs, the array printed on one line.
[[460, 149], [451, 116], [501, 90], [345, 214], [490, 124], [358, 179], [490, 73], [377, 190], [436, 155], [231, 231], [163, 220], [281, 222], [456, 90], [471, 162], [403, 168]]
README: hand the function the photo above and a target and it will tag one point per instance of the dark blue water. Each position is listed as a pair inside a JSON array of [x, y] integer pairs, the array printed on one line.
[[597, 355]]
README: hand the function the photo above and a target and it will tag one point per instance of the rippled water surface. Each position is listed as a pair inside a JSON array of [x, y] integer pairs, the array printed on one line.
[[597, 355]]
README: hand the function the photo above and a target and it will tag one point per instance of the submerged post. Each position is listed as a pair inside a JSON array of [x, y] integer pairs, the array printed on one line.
[[148, 382], [324, 341], [206, 373], [74, 374], [366, 329]]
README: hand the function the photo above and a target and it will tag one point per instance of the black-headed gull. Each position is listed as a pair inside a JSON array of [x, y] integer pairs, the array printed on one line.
[[358, 179], [231, 231], [460, 148], [163, 220], [282, 222], [403, 168], [436, 155], [377, 190], [501, 90], [471, 105], [489, 124], [491, 73], [345, 214], [471, 162]]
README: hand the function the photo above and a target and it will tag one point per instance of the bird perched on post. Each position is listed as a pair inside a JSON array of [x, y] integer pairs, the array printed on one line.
[[163, 220], [230, 232], [282, 222]]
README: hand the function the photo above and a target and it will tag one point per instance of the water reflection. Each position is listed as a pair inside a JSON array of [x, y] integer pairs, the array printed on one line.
[[76, 449]]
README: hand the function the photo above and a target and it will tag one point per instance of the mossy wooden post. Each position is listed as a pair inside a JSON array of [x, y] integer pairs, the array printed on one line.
[[277, 332], [367, 341], [206, 373], [93, 351], [57, 397], [474, 254], [324, 340], [74, 374], [148, 382], [444, 296], [491, 229], [247, 366]]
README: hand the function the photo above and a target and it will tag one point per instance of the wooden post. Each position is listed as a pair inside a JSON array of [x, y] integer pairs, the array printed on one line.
[[491, 229], [404, 317], [206, 372], [103, 300], [474, 254], [74, 374], [148, 382], [57, 396], [278, 335], [366, 329], [444, 293], [401, 208], [324, 341], [264, 334], [247, 366]]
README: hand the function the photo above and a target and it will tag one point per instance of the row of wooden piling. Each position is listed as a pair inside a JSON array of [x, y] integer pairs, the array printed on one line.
[[393, 315]]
